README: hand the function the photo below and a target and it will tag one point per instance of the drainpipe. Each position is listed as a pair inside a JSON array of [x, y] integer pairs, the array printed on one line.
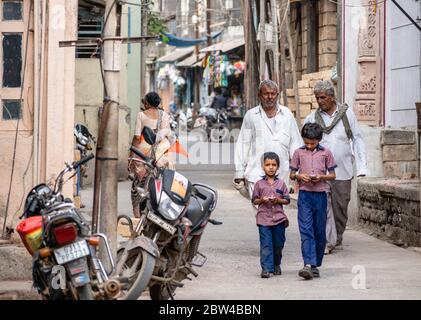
[[40, 11], [37, 65]]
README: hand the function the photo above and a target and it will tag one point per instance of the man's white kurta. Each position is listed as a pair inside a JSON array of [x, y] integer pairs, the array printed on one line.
[[258, 135]]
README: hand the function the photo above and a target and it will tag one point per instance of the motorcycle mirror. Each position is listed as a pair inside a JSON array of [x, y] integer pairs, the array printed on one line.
[[82, 129], [149, 135]]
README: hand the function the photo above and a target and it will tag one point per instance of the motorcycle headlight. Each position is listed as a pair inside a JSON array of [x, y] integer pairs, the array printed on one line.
[[168, 208]]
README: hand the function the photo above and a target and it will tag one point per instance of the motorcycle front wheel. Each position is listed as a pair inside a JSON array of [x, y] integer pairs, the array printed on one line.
[[219, 134], [85, 292], [165, 292], [161, 292], [137, 268]]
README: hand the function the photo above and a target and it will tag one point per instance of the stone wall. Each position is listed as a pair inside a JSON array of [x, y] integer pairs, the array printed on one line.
[[399, 154], [390, 209]]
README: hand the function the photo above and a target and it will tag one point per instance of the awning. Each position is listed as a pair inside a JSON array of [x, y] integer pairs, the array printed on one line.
[[190, 61], [172, 40], [176, 55], [224, 46]]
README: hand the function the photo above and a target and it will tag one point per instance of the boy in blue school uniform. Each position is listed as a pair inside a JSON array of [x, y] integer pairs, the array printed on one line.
[[312, 165]]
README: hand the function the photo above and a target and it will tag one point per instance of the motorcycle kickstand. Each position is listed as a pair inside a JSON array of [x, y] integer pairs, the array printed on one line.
[[169, 292]]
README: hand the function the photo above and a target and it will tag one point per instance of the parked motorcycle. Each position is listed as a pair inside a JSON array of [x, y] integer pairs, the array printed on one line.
[[163, 246], [84, 143], [185, 120], [65, 255], [214, 123], [174, 121]]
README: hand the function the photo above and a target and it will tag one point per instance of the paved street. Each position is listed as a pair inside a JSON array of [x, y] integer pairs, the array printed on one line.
[[232, 270]]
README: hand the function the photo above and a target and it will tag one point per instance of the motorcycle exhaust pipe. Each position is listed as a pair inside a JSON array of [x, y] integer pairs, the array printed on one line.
[[215, 222], [112, 288]]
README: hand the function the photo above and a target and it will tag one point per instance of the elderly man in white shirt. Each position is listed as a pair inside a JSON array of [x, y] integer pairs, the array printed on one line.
[[342, 136], [267, 127]]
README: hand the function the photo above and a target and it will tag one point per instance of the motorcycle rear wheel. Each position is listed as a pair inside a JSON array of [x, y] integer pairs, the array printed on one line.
[[139, 265]]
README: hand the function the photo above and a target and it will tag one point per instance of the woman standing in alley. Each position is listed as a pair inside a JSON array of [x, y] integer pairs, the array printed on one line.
[[154, 117]]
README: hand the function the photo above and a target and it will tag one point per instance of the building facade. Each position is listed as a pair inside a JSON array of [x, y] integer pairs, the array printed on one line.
[[37, 96]]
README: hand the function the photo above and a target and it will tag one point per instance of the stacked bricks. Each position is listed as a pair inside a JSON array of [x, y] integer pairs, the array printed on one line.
[[305, 90], [399, 154]]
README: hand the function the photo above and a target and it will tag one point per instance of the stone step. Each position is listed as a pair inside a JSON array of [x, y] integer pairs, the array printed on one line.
[[18, 290], [15, 263]]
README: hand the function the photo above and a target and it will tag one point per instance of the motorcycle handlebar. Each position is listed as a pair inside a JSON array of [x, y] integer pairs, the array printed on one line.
[[77, 164]]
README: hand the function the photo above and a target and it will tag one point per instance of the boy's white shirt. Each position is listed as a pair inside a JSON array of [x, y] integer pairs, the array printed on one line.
[[257, 137]]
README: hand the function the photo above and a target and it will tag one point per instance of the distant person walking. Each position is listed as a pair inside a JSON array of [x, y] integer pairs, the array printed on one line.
[[159, 121]]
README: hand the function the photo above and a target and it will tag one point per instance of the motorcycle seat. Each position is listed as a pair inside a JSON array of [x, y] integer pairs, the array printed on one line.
[[199, 205]]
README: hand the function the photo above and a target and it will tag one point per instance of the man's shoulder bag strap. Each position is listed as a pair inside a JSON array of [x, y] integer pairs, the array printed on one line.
[[345, 121], [342, 108]]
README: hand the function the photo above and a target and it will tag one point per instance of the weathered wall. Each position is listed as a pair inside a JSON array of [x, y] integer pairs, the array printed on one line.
[[391, 209], [89, 95], [396, 42], [403, 64], [372, 138], [23, 170], [327, 37], [133, 64]]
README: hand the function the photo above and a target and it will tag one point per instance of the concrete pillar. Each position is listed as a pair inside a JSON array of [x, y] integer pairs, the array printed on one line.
[[60, 89]]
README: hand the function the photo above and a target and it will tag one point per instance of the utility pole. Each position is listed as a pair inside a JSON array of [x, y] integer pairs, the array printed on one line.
[[293, 68], [282, 39], [143, 32], [196, 70], [251, 72], [109, 152], [268, 34], [208, 22], [208, 34]]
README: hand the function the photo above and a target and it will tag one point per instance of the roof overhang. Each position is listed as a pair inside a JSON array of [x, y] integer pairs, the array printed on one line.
[[224, 46], [191, 61], [176, 55]]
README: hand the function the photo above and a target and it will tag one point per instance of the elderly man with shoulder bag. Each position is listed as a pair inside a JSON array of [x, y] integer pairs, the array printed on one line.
[[341, 135]]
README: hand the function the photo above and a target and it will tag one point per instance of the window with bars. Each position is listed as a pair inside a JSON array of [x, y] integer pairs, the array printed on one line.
[[12, 37], [12, 59], [12, 110], [89, 28], [12, 10]]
